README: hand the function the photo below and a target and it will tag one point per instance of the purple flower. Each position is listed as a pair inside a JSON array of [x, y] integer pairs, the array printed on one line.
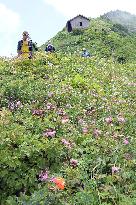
[[96, 132], [73, 162], [50, 106], [115, 169], [61, 112], [67, 143], [121, 119], [52, 179], [38, 112], [108, 120], [65, 119], [43, 176], [49, 133], [85, 130], [13, 105], [81, 122]]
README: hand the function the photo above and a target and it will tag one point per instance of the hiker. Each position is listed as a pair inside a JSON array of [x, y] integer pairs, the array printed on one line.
[[26, 47], [85, 53], [50, 48]]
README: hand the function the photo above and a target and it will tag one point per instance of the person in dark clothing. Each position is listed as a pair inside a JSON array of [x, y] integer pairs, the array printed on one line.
[[50, 48], [85, 53], [69, 27]]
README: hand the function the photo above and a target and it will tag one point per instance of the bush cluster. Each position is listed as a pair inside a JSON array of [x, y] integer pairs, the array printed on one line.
[[69, 118]]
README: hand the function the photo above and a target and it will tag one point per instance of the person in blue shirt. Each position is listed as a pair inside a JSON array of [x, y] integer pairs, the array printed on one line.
[[85, 53]]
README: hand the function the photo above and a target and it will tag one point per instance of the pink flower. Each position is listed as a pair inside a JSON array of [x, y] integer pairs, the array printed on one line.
[[81, 121], [85, 130], [108, 120], [65, 119], [73, 162], [38, 112], [121, 119], [49, 133], [43, 176], [50, 106], [115, 169], [67, 143], [96, 132], [61, 112], [126, 141], [52, 179]]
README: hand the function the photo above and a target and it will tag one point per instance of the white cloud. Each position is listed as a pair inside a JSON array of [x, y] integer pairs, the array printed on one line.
[[9, 25], [91, 8]]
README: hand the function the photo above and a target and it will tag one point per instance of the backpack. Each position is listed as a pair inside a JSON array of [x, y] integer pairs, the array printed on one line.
[[49, 47], [30, 45]]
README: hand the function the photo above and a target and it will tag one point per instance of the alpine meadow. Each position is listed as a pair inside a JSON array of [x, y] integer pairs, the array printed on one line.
[[68, 122]]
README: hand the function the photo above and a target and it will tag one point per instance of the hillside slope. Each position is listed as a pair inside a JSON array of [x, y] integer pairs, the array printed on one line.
[[70, 119], [100, 39]]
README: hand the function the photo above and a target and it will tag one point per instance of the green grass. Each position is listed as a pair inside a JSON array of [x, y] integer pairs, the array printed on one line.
[[97, 96]]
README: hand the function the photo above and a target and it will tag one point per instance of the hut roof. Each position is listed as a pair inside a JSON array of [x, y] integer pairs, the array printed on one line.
[[79, 16]]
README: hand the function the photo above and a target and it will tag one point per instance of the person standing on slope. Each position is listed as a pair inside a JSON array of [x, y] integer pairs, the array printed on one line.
[[25, 46]]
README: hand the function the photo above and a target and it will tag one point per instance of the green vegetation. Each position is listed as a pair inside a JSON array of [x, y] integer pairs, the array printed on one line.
[[70, 117], [102, 38]]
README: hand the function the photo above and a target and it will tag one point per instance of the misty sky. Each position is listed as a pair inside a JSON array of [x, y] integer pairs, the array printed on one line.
[[44, 18]]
